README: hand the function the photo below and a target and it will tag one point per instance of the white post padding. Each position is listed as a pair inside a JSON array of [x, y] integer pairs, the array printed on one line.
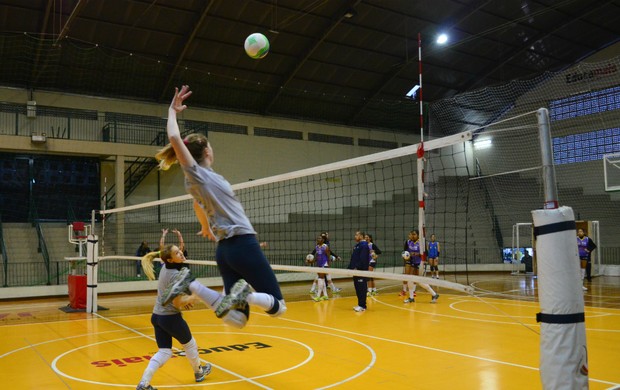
[[92, 248], [563, 350]]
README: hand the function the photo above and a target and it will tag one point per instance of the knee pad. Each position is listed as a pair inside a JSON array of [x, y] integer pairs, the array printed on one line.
[[190, 345], [162, 356], [236, 318], [279, 308]]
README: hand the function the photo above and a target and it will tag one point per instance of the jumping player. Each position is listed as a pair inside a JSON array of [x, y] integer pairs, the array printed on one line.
[[238, 255]]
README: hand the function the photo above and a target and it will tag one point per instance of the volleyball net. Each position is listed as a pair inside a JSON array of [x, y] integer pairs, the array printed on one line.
[[467, 191]]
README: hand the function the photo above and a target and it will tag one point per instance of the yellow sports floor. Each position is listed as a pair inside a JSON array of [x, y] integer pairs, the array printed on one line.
[[461, 342]]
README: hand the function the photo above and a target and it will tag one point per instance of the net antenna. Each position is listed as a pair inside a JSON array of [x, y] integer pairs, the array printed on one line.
[[420, 163]]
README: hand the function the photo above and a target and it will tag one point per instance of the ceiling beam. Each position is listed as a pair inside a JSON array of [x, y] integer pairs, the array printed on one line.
[[188, 42], [36, 69], [65, 29], [539, 37], [335, 21]]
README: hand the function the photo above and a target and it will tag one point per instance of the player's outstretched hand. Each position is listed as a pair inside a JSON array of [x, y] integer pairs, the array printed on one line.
[[179, 97]]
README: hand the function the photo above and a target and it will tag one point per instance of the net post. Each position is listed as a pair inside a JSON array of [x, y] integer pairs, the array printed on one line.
[[91, 273], [546, 150]]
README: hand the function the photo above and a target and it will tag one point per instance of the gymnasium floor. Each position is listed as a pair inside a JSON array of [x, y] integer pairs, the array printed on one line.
[[462, 342]]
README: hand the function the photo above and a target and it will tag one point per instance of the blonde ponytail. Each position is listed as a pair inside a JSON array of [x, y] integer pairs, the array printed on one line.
[[147, 264], [166, 157], [195, 144]]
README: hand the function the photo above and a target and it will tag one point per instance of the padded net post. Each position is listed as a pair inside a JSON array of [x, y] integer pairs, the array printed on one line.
[[92, 260]]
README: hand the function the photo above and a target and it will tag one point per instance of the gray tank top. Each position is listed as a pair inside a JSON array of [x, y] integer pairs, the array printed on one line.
[[215, 194], [165, 275]]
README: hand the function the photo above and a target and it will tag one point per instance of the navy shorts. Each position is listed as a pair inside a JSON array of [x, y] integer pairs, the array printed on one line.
[[169, 326], [240, 257]]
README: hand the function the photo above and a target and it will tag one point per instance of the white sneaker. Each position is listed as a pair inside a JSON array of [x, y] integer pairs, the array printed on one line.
[[584, 288], [359, 309]]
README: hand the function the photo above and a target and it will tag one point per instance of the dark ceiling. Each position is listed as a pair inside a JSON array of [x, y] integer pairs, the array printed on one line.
[[347, 62]]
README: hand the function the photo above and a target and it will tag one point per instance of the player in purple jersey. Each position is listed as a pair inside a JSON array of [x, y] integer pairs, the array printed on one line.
[[433, 249], [585, 246], [412, 245], [321, 257], [333, 257]]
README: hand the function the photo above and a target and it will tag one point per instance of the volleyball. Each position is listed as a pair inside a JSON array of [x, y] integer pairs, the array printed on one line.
[[406, 255], [256, 46], [310, 258]]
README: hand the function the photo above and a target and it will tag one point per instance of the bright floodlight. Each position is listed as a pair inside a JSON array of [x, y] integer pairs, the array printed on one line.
[[482, 143], [412, 92], [442, 39]]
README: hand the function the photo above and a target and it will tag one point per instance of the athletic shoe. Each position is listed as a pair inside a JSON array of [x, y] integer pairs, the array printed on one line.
[[368, 293], [324, 298], [316, 298], [204, 371], [143, 386], [409, 300], [237, 299], [434, 300], [374, 292], [336, 289], [359, 309], [402, 293], [179, 284]]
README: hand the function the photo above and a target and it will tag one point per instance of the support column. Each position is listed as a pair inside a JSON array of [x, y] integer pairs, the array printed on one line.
[[119, 185]]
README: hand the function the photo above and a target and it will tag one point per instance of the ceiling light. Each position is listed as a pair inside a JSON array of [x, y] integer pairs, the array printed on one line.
[[411, 94], [483, 143], [442, 39], [349, 13]]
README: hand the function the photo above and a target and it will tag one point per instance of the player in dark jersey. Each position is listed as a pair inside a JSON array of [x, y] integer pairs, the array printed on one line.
[[374, 253]]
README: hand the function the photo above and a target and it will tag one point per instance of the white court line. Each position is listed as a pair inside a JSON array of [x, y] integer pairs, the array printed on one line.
[[426, 347], [348, 379], [55, 368], [202, 360]]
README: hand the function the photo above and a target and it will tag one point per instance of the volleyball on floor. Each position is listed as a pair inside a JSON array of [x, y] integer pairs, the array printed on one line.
[[256, 46]]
